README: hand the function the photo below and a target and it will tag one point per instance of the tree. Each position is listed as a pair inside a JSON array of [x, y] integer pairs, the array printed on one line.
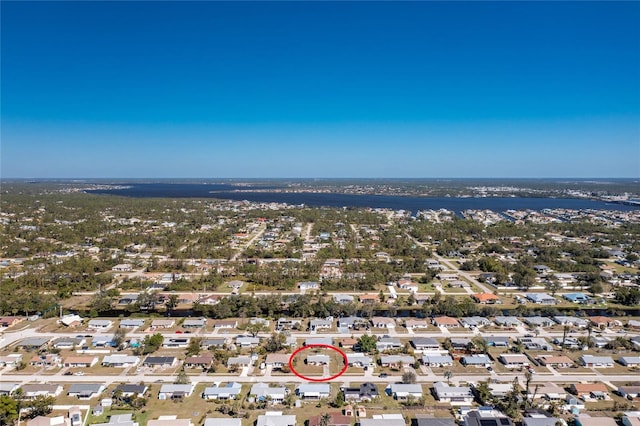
[[182, 378], [40, 405], [481, 344], [172, 303], [255, 328], [275, 343], [325, 419], [8, 410], [409, 377], [596, 288], [339, 401], [367, 343], [553, 286], [448, 374], [194, 347], [483, 392], [119, 336]]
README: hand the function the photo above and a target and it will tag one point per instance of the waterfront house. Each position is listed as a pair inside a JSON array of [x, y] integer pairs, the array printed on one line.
[[446, 322]]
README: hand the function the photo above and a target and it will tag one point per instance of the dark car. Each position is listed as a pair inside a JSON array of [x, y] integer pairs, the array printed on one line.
[[68, 373], [383, 375]]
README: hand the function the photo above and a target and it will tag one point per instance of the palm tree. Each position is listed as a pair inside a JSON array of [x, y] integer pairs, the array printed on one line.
[[325, 420], [448, 375]]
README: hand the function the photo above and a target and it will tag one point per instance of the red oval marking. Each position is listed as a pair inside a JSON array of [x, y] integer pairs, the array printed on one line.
[[322, 379]]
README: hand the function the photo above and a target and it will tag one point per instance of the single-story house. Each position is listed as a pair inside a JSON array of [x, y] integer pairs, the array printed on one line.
[[33, 390], [80, 361], [175, 391], [7, 389], [425, 344], [452, 394], [585, 389], [276, 418], [247, 341], [514, 360], [394, 361], [561, 361], [538, 321], [402, 391], [309, 285], [486, 298], [412, 324], [572, 321], [383, 322], [318, 359], [474, 321], [629, 391], [71, 320], [194, 323], [131, 323], [535, 344], [99, 325], [176, 342], [313, 390], [129, 390], [387, 343], [366, 392], [629, 361], [318, 341], [239, 361], [263, 392], [335, 419], [507, 321], [120, 360], [160, 361], [437, 360], [86, 390], [200, 361], [222, 422], [319, 324], [601, 321], [476, 360], [225, 324], [497, 341], [343, 298], [277, 360], [576, 297], [446, 322], [230, 391], [216, 342], [359, 360], [596, 361], [163, 323]]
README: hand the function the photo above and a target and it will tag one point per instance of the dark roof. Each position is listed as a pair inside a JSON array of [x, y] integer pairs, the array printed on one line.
[[159, 360], [474, 418]]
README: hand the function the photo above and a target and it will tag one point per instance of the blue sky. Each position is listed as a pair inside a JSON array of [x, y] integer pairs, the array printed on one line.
[[320, 89]]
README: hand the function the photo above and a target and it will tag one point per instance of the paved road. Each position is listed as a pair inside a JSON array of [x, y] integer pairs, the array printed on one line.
[[159, 378]]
